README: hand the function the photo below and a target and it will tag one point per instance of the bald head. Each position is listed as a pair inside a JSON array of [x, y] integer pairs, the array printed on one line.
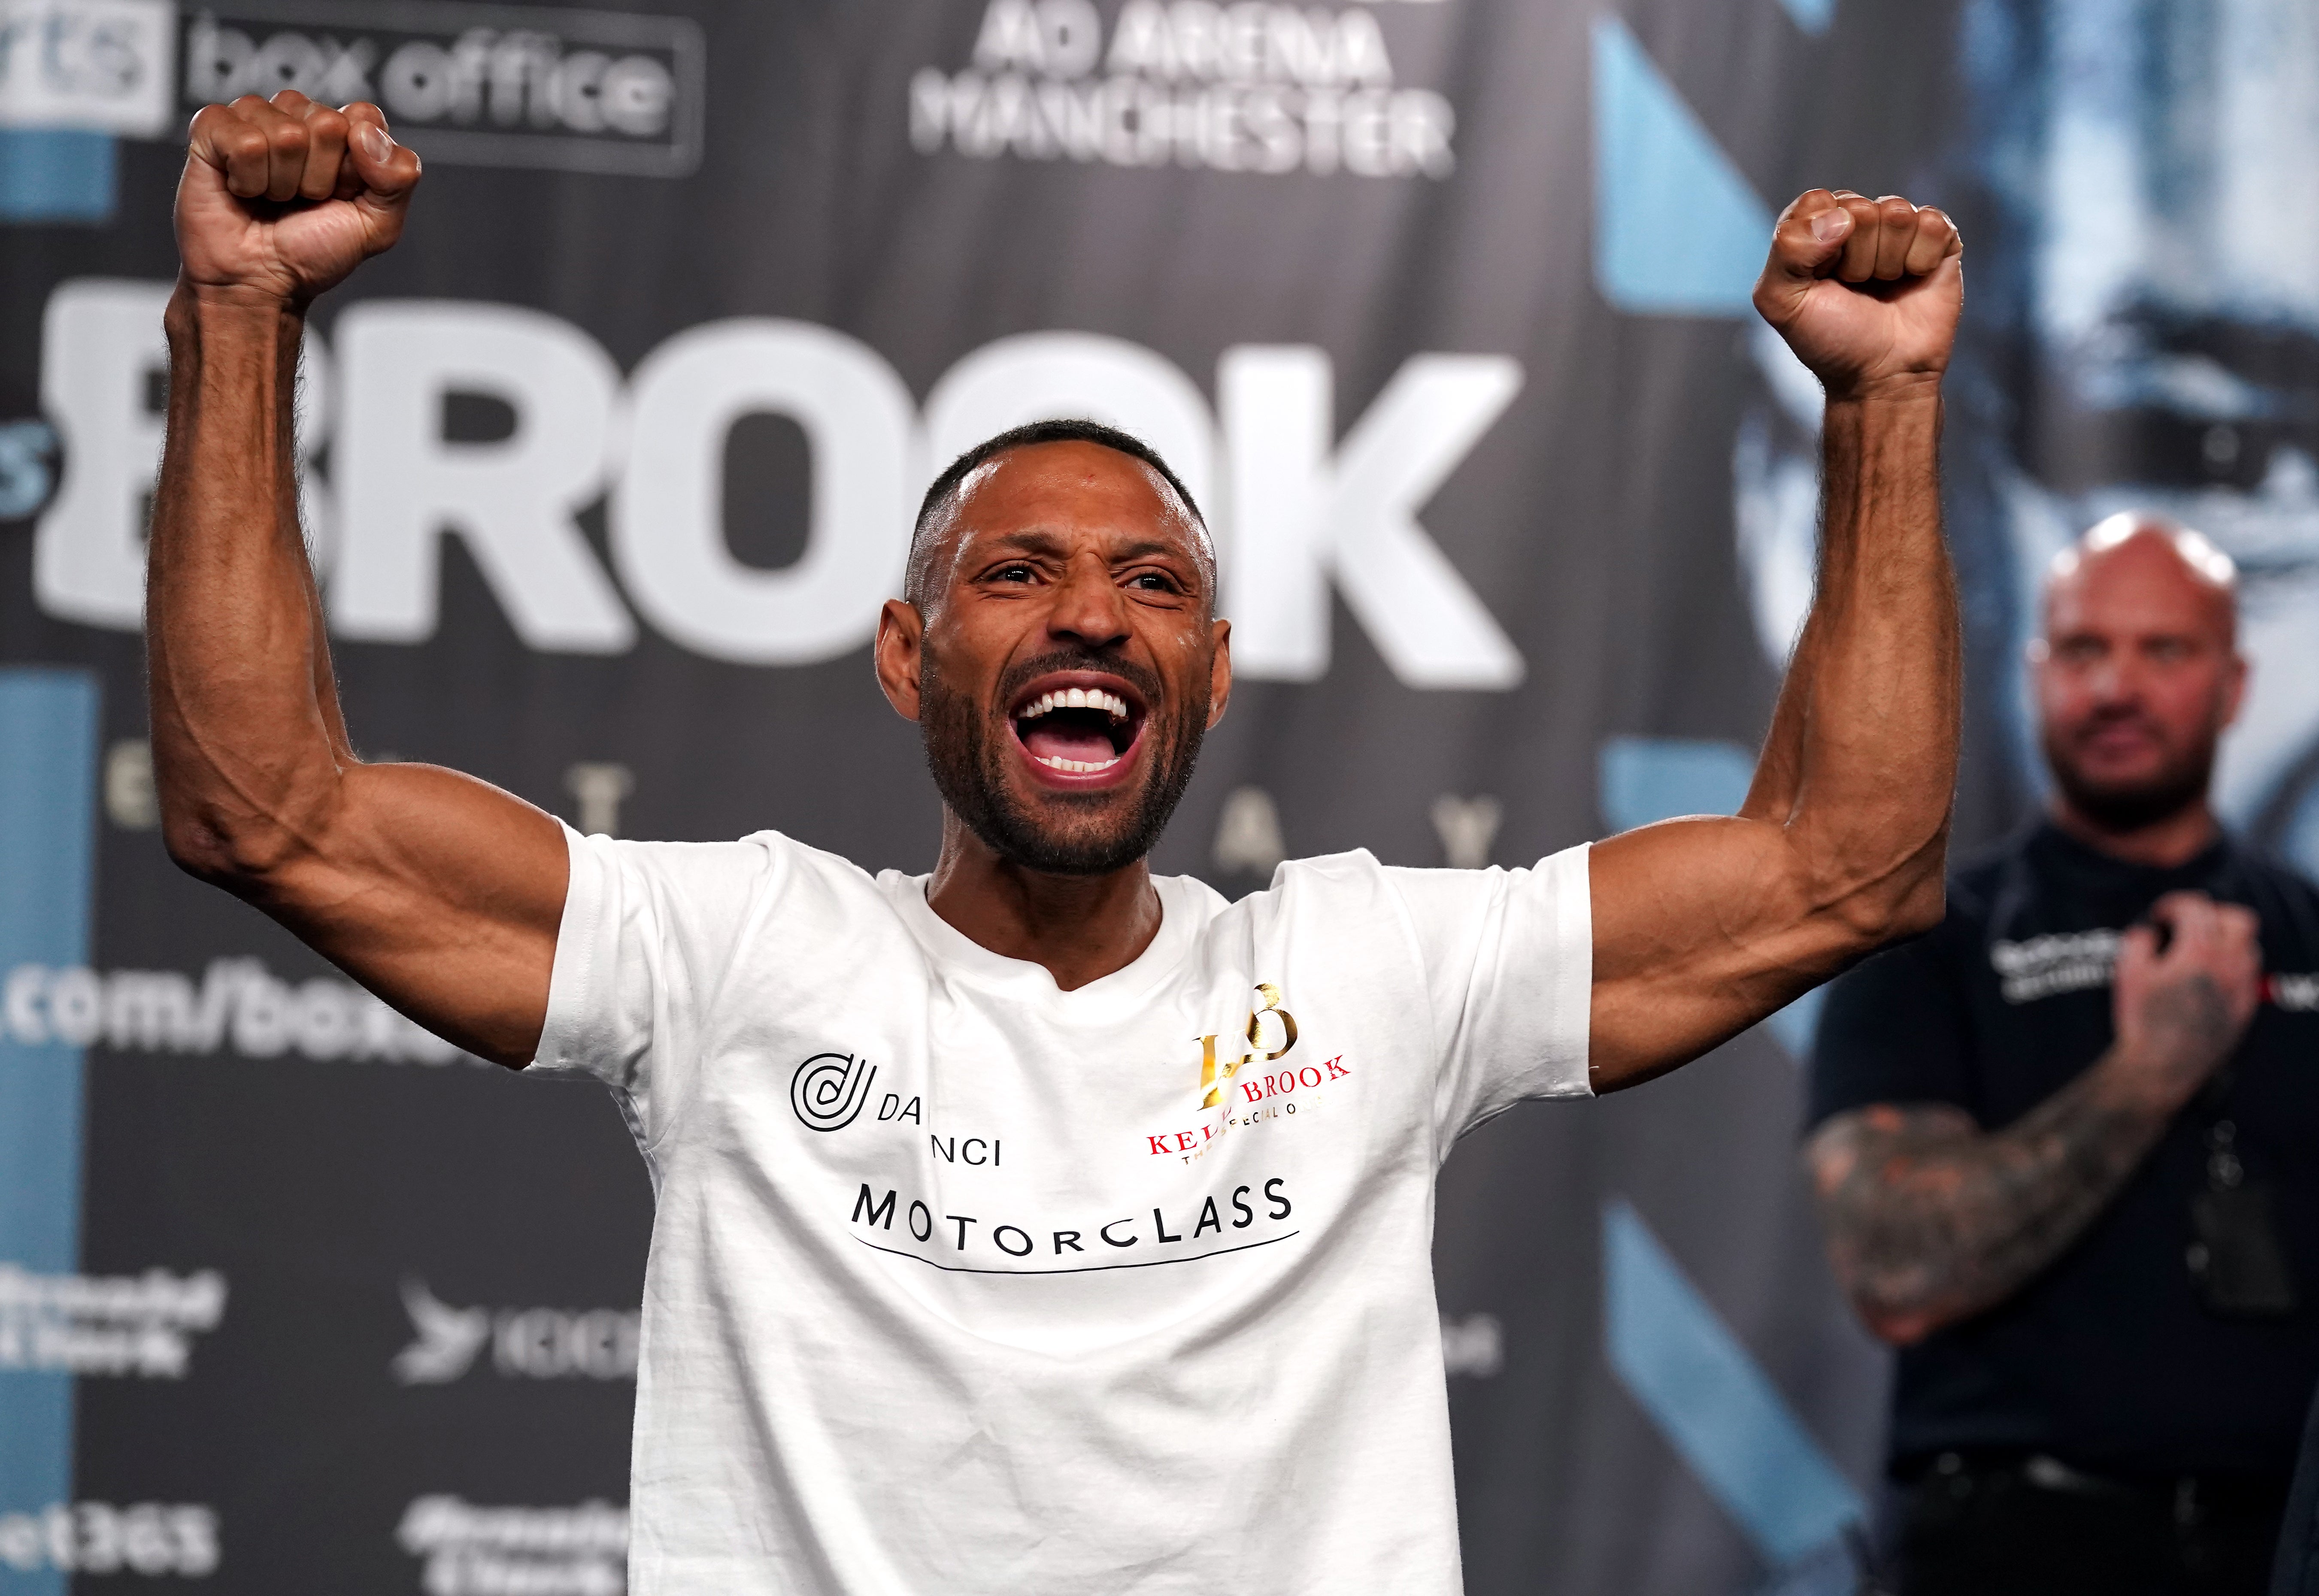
[[2137, 672], [2150, 562]]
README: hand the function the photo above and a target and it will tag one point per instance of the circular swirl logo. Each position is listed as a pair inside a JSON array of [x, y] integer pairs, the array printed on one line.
[[829, 1089]]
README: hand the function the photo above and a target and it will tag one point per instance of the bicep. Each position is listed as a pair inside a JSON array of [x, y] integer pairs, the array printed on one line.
[[1702, 927], [438, 892]]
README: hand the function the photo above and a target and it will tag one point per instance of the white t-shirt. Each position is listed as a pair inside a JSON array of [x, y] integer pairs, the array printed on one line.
[[961, 1284]]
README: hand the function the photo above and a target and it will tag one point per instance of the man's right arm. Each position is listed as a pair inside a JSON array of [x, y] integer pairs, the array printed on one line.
[[438, 892], [1931, 1220]]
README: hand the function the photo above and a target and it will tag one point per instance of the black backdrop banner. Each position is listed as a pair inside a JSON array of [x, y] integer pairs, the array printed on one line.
[[1440, 306]]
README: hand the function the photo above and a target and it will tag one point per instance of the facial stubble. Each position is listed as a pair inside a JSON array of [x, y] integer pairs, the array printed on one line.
[[1061, 833], [2126, 806]]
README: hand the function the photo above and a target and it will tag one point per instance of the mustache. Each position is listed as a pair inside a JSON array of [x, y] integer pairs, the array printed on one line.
[[2103, 720], [1021, 674]]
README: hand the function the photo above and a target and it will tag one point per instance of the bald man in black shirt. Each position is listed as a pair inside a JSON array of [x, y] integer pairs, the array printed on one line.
[[2067, 1146]]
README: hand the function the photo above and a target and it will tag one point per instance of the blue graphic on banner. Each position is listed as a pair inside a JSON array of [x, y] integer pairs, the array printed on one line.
[[47, 768], [57, 175], [1643, 780], [1813, 16], [1677, 230], [1716, 1407]]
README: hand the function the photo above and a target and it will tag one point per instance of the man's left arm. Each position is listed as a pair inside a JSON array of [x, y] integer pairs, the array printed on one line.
[[1703, 926]]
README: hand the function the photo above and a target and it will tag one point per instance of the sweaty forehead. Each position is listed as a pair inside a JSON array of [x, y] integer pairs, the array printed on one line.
[[1068, 489]]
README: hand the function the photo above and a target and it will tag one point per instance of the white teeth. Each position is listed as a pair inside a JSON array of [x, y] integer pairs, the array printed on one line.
[[1075, 697], [1078, 766]]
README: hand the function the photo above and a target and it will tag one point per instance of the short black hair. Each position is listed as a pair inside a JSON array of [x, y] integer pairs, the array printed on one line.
[[1068, 430]]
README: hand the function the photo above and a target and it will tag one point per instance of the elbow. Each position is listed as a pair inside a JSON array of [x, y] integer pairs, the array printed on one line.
[[1897, 905], [1920, 907], [203, 850], [236, 856]]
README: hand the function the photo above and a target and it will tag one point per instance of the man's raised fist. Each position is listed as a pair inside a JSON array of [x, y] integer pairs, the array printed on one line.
[[1866, 292], [281, 198]]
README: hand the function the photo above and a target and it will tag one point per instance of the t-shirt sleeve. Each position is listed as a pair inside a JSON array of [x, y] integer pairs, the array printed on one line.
[[648, 931], [1508, 964], [1894, 1030]]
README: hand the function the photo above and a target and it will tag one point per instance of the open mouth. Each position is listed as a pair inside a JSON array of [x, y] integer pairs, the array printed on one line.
[[1075, 730]]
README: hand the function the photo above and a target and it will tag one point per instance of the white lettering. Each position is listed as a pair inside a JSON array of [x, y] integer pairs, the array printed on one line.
[[668, 537], [1036, 375], [511, 502], [1355, 516], [102, 358]]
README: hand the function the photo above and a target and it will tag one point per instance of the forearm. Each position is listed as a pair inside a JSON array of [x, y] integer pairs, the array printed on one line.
[[1931, 1220], [1861, 759], [248, 740]]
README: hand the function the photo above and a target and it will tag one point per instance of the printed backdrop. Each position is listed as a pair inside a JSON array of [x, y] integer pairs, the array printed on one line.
[[1441, 308]]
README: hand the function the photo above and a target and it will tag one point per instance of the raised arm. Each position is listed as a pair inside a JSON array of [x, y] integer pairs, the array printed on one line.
[[1930, 1219], [1703, 926], [438, 892]]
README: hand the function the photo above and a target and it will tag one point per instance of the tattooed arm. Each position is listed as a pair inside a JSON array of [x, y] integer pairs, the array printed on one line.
[[1931, 1220]]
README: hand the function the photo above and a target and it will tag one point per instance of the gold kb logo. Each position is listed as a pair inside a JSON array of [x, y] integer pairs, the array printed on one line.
[[1215, 1071]]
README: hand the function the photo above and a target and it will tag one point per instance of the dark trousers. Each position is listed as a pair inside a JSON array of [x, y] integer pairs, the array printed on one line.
[[2031, 1526]]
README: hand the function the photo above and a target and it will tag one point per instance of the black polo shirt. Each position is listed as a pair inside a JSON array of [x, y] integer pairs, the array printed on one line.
[[2109, 1360]]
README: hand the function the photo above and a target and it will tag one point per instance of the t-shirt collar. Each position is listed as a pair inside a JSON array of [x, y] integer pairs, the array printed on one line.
[[2074, 854], [1181, 913]]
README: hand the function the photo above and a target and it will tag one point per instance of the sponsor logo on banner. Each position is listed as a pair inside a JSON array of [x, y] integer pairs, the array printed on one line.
[[1310, 504], [828, 1090], [95, 1537], [237, 1005], [490, 1551], [98, 64], [526, 1343], [487, 86], [1250, 87], [140, 1325]]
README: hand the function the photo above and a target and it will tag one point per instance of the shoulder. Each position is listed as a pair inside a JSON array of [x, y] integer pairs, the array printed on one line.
[[1317, 895], [2275, 873], [711, 880], [1435, 907], [2280, 892]]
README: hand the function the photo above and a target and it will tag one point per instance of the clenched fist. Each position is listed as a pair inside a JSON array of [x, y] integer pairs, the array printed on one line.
[[281, 198], [1866, 292], [2180, 1013]]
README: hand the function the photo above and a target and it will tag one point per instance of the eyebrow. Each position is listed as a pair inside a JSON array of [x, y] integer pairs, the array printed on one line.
[[1034, 542]]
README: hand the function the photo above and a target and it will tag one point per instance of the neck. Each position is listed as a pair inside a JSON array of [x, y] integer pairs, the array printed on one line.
[[1082, 928], [2177, 839]]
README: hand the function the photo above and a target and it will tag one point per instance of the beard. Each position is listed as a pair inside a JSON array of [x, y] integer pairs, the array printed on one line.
[[1061, 833], [2131, 806]]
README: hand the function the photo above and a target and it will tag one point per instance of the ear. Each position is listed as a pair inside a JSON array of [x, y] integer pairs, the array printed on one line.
[[899, 650], [1220, 673]]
